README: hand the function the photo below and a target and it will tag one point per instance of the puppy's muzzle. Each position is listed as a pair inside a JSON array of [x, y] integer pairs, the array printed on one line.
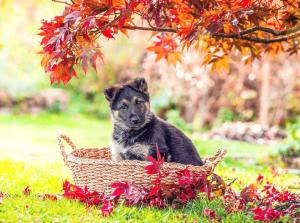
[[135, 119]]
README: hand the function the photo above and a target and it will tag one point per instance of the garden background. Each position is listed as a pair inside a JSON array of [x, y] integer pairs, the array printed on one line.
[[252, 110]]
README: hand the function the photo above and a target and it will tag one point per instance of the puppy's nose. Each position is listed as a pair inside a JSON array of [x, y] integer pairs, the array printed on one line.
[[134, 119]]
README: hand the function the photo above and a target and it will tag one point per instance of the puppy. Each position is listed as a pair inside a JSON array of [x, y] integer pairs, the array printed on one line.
[[137, 130]]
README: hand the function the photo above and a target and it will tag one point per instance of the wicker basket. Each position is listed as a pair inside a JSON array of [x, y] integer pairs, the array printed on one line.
[[94, 168]]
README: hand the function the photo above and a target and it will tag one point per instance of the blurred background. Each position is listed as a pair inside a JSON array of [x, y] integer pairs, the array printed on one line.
[[253, 110]]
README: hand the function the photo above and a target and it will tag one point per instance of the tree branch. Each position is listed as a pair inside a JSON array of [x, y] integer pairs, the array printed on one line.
[[256, 39], [267, 30], [240, 35], [153, 29]]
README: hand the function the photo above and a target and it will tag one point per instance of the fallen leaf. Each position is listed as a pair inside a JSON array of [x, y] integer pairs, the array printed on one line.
[[27, 191]]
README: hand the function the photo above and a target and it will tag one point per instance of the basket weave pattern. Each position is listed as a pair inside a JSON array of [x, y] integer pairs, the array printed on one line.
[[93, 167]]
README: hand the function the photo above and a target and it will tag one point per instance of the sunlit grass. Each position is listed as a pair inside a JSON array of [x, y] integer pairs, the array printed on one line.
[[34, 137], [48, 179], [30, 157]]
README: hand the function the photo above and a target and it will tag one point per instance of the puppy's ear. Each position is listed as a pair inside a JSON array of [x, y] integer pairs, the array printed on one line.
[[110, 92], [140, 84]]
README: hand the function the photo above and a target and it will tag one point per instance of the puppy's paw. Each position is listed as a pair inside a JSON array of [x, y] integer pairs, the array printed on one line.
[[169, 157], [164, 152], [132, 156]]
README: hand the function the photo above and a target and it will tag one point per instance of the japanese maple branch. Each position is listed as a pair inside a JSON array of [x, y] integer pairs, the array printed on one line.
[[153, 29], [245, 32], [117, 18], [267, 30], [240, 35], [256, 39]]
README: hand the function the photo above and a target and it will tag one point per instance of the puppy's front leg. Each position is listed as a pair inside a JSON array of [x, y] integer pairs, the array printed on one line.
[[129, 155], [137, 152], [163, 150], [115, 150]]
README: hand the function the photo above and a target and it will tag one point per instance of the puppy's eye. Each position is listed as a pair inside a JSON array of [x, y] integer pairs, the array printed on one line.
[[123, 107], [138, 102]]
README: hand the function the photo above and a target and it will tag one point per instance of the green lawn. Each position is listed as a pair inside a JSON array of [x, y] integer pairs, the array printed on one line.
[[29, 156]]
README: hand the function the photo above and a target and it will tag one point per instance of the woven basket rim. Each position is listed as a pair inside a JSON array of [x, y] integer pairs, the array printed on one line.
[[81, 160], [210, 162]]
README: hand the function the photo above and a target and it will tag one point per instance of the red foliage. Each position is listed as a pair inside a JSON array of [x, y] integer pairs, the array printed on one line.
[[259, 179], [250, 27], [266, 214], [107, 208], [155, 166], [272, 194], [82, 194], [26, 191], [51, 197], [250, 193], [233, 202], [266, 204], [158, 194], [207, 212], [2, 195], [191, 183]]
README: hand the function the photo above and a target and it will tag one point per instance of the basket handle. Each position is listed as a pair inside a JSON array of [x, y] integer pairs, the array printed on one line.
[[60, 140], [215, 159]]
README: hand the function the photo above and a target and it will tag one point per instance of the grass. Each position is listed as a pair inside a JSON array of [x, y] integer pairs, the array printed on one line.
[[30, 157]]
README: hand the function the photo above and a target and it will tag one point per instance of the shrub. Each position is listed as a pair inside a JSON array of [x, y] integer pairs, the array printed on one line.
[[290, 151]]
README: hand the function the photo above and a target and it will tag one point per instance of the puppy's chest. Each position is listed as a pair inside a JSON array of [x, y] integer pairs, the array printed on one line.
[[123, 145]]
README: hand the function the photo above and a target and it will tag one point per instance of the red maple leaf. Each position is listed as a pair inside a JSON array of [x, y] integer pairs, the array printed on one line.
[[120, 189], [156, 164], [82, 194], [52, 197], [259, 179], [209, 213], [26, 191], [250, 193], [108, 33], [107, 208], [266, 214]]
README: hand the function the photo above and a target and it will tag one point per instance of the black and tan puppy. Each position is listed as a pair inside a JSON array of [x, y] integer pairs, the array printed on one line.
[[137, 130]]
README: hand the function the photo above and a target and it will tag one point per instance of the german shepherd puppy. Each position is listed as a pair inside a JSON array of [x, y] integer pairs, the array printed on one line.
[[137, 130]]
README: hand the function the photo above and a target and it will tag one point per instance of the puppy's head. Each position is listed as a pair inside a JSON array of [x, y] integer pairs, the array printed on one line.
[[129, 103]]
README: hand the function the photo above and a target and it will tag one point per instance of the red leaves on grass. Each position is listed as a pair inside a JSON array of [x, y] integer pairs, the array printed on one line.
[[2, 195], [51, 197], [186, 189], [259, 179], [120, 188], [207, 212], [266, 214], [107, 208], [272, 194], [250, 193], [26, 191], [233, 202], [190, 184], [89, 198], [159, 194], [82, 194], [267, 203]]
